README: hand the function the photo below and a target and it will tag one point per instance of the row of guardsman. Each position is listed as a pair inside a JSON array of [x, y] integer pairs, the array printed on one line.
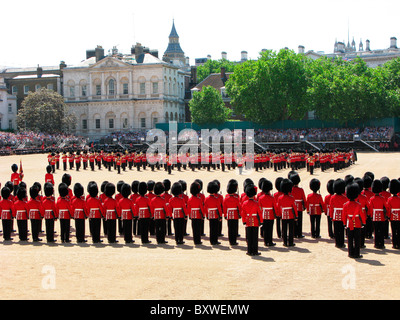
[[361, 206], [139, 160]]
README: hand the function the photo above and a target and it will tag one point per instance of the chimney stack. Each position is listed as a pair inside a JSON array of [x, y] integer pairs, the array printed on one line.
[[367, 47], [244, 56], [99, 53], [39, 71], [224, 55], [301, 49], [393, 43], [223, 75]]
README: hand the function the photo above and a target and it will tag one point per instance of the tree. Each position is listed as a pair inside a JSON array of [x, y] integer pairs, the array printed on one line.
[[272, 88], [214, 66], [207, 106], [45, 111]]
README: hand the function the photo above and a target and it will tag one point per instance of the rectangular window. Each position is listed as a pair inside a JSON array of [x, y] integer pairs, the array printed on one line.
[[9, 108], [111, 123], [125, 123], [97, 123], [72, 92], [84, 124], [98, 90], [50, 86], [84, 91], [37, 87], [14, 90], [142, 88], [143, 122], [155, 87], [10, 124], [125, 88], [26, 89]]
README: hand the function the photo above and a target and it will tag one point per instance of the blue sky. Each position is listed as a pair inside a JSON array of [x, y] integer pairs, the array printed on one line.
[[45, 32]]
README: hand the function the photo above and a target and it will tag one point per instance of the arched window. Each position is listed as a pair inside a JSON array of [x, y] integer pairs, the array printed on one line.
[[111, 87]]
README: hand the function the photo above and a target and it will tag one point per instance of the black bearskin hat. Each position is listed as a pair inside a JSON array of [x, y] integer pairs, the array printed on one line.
[[212, 187], [135, 186], [339, 186], [21, 193], [385, 183], [266, 186], [48, 169], [349, 179], [5, 193], [126, 190], [260, 182], [278, 183], [394, 186], [195, 188], [14, 168], [232, 186], [329, 186], [150, 185], [158, 188], [66, 178], [119, 185], [176, 189], [286, 186], [103, 186], [250, 190], [78, 190], [167, 185], [93, 189], [376, 186], [142, 188], [352, 191], [200, 182], [48, 189], [110, 190], [63, 189], [295, 178], [315, 185]]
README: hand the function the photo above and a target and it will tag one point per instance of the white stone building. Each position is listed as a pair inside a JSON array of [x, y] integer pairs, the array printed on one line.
[[8, 108], [121, 93]]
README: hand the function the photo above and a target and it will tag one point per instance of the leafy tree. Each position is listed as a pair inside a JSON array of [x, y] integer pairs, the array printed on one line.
[[207, 106], [214, 66], [272, 88], [45, 111]]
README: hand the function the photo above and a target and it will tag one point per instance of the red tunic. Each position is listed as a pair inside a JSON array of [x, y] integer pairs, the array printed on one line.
[[336, 209], [142, 207], [6, 209], [267, 205], [35, 209], [299, 197], [177, 208], [212, 207], [393, 204], [287, 207], [315, 204], [49, 208], [110, 208], [79, 209], [63, 207], [21, 210], [353, 215], [95, 208], [125, 209], [231, 207], [251, 213], [377, 208], [158, 208], [195, 207], [49, 178]]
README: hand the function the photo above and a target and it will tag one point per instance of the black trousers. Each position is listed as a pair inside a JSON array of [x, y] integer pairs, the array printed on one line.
[[330, 227], [369, 228], [22, 229], [80, 229], [278, 227], [233, 230], [339, 233], [127, 227], [395, 234], [160, 226], [379, 233], [268, 226], [252, 240], [315, 221], [7, 228], [65, 225], [288, 231], [95, 227], [111, 230], [35, 229], [214, 231], [298, 225], [179, 224], [196, 227], [49, 230], [353, 242], [144, 229]]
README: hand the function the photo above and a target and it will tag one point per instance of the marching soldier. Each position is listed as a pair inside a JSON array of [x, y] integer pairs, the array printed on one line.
[[315, 207], [21, 210], [159, 213], [6, 211], [213, 209], [378, 212], [126, 211], [143, 212], [196, 212], [231, 207], [110, 209], [300, 200], [336, 207], [49, 208], [35, 213], [393, 204], [78, 206], [64, 212], [96, 212], [267, 204], [178, 212]]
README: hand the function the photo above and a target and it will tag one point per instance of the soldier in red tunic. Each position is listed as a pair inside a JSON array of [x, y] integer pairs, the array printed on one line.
[[6, 211], [378, 211], [21, 214], [110, 208], [178, 212], [16, 178], [159, 212], [286, 205], [253, 216], [64, 212], [49, 208], [231, 207], [315, 206], [49, 176], [369, 227], [267, 204], [393, 204], [213, 209], [196, 211], [327, 199], [35, 213], [353, 219], [142, 207], [300, 199], [336, 208], [96, 212], [79, 209], [126, 209]]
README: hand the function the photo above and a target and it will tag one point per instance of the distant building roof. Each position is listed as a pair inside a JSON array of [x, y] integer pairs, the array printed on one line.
[[214, 80]]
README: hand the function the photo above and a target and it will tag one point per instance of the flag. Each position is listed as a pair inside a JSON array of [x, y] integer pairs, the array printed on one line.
[[21, 171]]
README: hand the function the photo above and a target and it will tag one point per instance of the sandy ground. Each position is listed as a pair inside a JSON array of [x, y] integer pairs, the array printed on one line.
[[313, 269]]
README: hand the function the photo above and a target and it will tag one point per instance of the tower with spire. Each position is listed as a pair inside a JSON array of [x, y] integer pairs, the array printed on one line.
[[174, 53]]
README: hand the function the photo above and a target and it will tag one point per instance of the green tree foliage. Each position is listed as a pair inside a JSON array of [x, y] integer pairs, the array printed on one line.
[[207, 106], [274, 87], [214, 66], [45, 111]]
